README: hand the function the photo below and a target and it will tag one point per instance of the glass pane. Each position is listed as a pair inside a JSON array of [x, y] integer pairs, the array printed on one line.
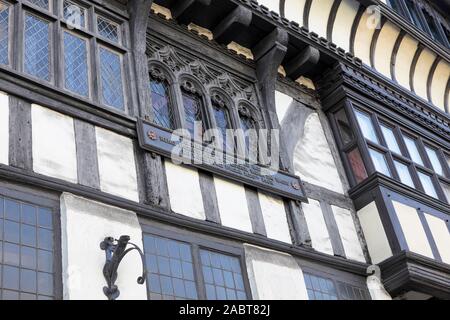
[[433, 27], [193, 115], [74, 14], [4, 33], [379, 161], [76, 64], [394, 4], [446, 189], [366, 125], [413, 151], [218, 273], [391, 141], [414, 13], [427, 184], [403, 172], [40, 3], [344, 127], [434, 158], [108, 29], [161, 104], [37, 47], [222, 117], [357, 165], [111, 79], [320, 288], [168, 275]]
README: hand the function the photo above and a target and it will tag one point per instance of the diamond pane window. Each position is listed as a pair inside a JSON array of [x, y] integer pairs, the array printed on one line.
[[223, 276], [75, 64], [26, 240], [193, 115], [170, 269], [4, 33], [320, 288], [161, 104], [74, 14], [222, 117], [37, 47], [44, 4], [108, 29], [247, 125], [111, 79]]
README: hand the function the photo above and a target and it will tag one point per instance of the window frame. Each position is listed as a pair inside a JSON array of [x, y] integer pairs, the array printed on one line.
[[11, 30], [197, 243], [32, 196]]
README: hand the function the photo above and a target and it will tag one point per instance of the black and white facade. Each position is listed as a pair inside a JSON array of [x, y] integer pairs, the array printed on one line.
[[358, 90]]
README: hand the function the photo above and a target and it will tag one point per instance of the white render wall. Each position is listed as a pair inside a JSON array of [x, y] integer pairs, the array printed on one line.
[[54, 149], [184, 191], [4, 128], [441, 236], [84, 225], [275, 218], [320, 238], [116, 162], [274, 275]]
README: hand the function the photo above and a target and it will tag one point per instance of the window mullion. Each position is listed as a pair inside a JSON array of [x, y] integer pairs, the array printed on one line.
[[200, 281]]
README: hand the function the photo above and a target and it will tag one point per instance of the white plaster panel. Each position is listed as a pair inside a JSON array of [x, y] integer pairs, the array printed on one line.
[[84, 225], [273, 5], [441, 236], [274, 275], [349, 236], [232, 203], [384, 48], [275, 219], [376, 289], [374, 233], [422, 71], [317, 227], [282, 103], [404, 59], [313, 160], [4, 128], [294, 10], [342, 28], [413, 229], [363, 37], [54, 149], [318, 16], [439, 84], [184, 191], [116, 164]]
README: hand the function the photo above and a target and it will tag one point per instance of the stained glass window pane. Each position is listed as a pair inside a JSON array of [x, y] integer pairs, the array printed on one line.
[[170, 269], [37, 47], [111, 79], [222, 117], [108, 29], [161, 104], [74, 14], [25, 270], [404, 174], [357, 165], [44, 4], [75, 64], [223, 276], [193, 115], [4, 33], [413, 151], [344, 127], [248, 125], [379, 161], [427, 184], [434, 158], [391, 141], [366, 125]]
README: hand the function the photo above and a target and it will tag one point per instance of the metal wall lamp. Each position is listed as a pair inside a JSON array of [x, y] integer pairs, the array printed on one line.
[[115, 251]]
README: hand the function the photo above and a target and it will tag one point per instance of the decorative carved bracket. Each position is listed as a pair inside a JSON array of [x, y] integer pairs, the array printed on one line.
[[115, 251]]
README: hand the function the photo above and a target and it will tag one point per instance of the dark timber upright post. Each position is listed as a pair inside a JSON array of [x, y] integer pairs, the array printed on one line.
[[269, 54], [155, 184]]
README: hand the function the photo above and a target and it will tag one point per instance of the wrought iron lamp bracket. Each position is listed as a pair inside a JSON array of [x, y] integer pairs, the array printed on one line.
[[115, 251]]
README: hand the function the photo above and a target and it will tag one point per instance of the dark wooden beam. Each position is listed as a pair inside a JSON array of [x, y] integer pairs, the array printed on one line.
[[232, 24], [181, 6], [302, 63]]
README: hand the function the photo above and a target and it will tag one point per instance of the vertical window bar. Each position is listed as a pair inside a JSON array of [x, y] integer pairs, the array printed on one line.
[[75, 64], [4, 32], [111, 79], [37, 47]]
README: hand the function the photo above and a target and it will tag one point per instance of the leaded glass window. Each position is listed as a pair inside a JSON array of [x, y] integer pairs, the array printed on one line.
[[44, 4], [390, 138], [37, 47], [427, 184], [223, 122], [319, 288], [366, 125], [248, 125], [404, 173], [4, 33], [76, 64], [434, 159], [161, 103], [74, 14], [108, 29], [111, 78], [26, 251], [413, 150], [223, 276], [193, 114], [379, 162], [170, 269]]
